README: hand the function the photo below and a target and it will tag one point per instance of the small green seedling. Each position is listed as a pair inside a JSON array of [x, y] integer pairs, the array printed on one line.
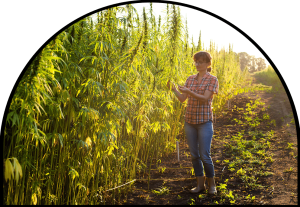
[[222, 187], [192, 171], [162, 191], [241, 172], [187, 155], [290, 146], [289, 170], [191, 201], [231, 169], [162, 169], [230, 196], [226, 161], [266, 116], [250, 198], [202, 196]]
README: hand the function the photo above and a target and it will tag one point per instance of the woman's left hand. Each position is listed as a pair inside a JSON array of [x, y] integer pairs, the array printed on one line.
[[183, 89]]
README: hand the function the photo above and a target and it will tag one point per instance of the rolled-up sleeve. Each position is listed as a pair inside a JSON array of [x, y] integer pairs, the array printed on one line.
[[213, 85]]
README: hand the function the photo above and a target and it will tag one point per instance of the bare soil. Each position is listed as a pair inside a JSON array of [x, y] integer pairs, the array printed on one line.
[[281, 188]]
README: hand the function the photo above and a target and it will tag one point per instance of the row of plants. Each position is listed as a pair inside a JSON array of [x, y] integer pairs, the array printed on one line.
[[269, 77], [250, 152], [93, 106]]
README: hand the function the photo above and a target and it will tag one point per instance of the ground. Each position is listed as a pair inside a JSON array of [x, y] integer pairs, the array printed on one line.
[[273, 182]]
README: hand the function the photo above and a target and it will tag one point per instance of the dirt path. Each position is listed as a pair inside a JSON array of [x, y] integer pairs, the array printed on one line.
[[285, 183], [170, 179]]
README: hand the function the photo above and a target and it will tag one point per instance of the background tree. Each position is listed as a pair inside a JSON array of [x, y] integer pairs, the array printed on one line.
[[252, 63], [260, 62], [244, 60]]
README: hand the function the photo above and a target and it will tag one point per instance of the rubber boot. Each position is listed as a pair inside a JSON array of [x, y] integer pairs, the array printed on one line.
[[200, 184], [211, 186]]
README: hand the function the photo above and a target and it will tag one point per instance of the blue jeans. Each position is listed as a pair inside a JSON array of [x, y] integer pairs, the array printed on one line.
[[199, 138]]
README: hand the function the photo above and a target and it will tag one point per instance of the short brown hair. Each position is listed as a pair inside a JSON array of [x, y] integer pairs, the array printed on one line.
[[205, 56]]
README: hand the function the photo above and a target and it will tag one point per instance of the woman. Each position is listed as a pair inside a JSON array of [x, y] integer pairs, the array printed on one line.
[[199, 90]]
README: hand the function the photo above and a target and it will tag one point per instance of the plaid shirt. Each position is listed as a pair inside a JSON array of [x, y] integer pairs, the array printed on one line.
[[198, 112]]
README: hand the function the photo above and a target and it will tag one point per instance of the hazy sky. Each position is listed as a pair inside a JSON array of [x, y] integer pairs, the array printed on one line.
[[212, 29]]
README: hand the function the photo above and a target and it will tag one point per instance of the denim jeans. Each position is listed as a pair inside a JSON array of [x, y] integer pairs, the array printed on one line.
[[199, 137]]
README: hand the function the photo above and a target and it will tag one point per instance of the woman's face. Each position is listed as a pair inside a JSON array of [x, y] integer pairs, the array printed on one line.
[[201, 65]]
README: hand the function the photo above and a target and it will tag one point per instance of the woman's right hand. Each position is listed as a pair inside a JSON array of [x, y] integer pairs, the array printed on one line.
[[168, 85]]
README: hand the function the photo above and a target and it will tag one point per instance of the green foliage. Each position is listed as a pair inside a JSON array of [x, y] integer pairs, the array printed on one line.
[[92, 108], [191, 201], [288, 170], [250, 198], [162, 191], [162, 169], [269, 77]]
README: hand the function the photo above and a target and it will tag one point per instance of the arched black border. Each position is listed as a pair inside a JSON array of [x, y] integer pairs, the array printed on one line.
[[28, 27]]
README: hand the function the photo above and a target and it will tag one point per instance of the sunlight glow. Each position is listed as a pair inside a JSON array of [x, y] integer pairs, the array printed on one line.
[[212, 29]]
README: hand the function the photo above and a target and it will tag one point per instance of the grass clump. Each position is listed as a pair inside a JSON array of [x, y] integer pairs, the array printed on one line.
[[269, 77]]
